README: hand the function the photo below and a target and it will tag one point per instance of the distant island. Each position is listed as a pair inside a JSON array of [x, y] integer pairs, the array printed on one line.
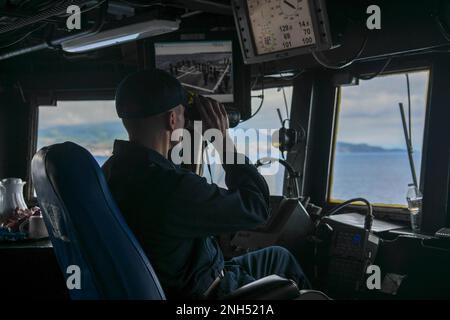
[[345, 147], [98, 138]]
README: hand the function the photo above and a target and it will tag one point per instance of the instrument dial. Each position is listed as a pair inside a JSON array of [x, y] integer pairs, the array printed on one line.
[[279, 25], [289, 7]]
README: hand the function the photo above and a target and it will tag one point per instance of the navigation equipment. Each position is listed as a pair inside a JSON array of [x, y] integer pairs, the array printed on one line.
[[274, 29]]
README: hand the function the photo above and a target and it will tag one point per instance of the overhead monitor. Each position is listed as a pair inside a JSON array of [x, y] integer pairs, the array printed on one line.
[[274, 29], [204, 67]]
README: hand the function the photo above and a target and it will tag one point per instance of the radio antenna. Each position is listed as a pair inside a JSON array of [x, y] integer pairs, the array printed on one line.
[[408, 145], [408, 87], [280, 116], [285, 103]]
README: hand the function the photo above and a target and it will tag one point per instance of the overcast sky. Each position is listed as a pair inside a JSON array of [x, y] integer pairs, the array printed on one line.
[[369, 112], [77, 112]]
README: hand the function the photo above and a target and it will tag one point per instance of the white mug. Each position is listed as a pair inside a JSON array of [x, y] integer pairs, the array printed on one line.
[[36, 227]]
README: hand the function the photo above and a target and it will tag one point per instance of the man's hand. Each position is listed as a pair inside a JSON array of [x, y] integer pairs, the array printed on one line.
[[214, 116]]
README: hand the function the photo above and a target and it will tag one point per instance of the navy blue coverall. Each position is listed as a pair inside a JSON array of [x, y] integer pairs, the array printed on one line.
[[175, 214]]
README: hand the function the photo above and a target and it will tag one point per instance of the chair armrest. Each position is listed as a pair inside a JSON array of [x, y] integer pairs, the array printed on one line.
[[312, 295], [272, 287]]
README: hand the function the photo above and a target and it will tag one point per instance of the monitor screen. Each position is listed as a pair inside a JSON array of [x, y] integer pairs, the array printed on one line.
[[203, 67]]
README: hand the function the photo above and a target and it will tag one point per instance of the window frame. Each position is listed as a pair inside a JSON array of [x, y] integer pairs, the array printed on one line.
[[285, 84], [393, 208], [276, 84], [320, 117], [435, 167], [50, 100]]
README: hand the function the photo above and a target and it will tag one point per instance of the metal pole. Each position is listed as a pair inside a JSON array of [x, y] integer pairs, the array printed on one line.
[[408, 145], [409, 107]]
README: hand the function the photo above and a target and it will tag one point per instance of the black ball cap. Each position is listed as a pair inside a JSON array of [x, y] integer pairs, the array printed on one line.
[[147, 93]]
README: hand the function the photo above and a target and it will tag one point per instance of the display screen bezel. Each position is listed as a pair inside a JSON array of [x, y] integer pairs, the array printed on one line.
[[248, 42], [227, 98], [255, 45]]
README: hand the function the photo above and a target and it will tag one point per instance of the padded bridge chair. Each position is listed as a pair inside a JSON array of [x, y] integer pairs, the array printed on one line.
[[87, 229]]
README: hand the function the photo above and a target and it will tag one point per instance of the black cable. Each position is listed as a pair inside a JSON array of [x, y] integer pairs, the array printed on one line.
[[24, 37], [98, 4], [210, 173], [262, 99], [258, 109], [443, 48], [376, 74], [46, 24], [442, 29], [55, 10], [254, 83], [322, 59], [205, 150], [143, 5], [27, 21], [27, 4], [292, 174], [369, 216]]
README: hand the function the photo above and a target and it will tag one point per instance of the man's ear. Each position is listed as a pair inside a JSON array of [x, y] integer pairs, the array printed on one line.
[[171, 120]]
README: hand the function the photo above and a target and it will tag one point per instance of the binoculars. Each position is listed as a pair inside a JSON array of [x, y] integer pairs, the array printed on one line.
[[192, 113]]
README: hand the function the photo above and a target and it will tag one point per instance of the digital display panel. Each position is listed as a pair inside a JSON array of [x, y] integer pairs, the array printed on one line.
[[203, 67], [279, 25]]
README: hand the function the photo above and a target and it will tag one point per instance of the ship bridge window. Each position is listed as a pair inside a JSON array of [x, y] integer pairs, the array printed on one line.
[[253, 138], [369, 153], [91, 124]]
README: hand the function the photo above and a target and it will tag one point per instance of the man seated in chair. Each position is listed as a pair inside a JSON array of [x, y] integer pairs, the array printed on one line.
[[175, 213]]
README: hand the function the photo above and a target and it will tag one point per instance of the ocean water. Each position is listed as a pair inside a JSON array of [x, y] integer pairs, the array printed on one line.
[[380, 177]]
